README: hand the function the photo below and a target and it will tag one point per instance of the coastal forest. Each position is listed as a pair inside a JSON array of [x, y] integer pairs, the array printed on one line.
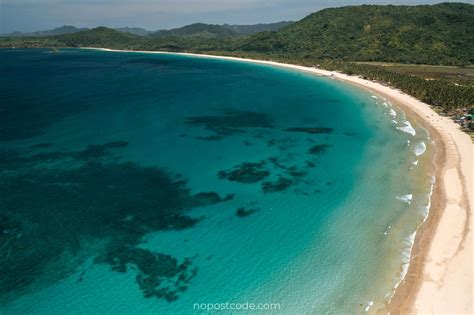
[[349, 39]]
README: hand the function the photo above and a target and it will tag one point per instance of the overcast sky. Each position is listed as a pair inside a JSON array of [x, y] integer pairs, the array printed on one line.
[[34, 15]]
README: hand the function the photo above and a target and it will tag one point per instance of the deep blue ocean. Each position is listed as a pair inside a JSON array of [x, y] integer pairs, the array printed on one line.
[[134, 183]]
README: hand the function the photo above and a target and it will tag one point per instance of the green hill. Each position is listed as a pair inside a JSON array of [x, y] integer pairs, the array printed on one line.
[[429, 34], [134, 30], [256, 28], [198, 30], [100, 37], [215, 31], [442, 33]]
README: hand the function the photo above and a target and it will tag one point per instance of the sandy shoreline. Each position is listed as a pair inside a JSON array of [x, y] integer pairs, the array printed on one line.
[[439, 279]]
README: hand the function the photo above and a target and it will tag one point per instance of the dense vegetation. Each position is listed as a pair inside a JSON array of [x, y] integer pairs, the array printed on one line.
[[134, 30], [332, 39], [97, 37], [256, 28], [198, 29], [429, 34], [213, 30], [100, 37], [106, 37], [463, 75]]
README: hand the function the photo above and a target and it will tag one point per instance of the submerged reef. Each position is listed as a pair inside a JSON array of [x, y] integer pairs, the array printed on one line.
[[319, 148], [245, 173], [242, 212], [230, 122], [310, 130], [210, 138], [273, 167], [52, 203], [291, 170], [158, 275], [282, 144], [91, 152], [310, 164], [207, 198], [280, 184]]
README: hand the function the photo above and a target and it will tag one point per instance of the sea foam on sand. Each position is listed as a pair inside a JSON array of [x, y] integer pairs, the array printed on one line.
[[420, 148], [408, 128], [406, 198]]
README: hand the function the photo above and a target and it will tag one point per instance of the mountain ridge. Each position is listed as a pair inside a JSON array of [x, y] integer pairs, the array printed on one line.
[[65, 29], [186, 30], [423, 34]]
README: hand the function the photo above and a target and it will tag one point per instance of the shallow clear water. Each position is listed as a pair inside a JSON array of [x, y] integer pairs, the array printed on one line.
[[143, 183]]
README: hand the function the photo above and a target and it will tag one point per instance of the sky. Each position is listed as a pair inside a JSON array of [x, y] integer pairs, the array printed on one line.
[[35, 15]]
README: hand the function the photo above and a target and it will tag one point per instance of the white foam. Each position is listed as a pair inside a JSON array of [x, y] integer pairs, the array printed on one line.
[[426, 210], [406, 198], [420, 148], [393, 113], [406, 258], [407, 127], [406, 254], [374, 97], [394, 122], [415, 163], [410, 242], [367, 308]]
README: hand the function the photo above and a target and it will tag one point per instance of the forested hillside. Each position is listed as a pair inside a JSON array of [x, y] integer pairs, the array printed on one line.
[[430, 34], [256, 28], [198, 29]]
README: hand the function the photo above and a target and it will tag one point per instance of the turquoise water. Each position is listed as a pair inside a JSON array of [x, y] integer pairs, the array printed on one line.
[[140, 183]]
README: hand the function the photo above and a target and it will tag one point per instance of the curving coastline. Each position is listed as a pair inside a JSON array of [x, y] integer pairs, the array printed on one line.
[[440, 272]]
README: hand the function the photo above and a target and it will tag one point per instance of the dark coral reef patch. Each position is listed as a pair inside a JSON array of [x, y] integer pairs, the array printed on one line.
[[280, 184], [245, 173], [210, 138], [269, 169], [319, 148], [243, 212], [158, 275], [230, 122], [290, 170], [48, 209], [310, 130]]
